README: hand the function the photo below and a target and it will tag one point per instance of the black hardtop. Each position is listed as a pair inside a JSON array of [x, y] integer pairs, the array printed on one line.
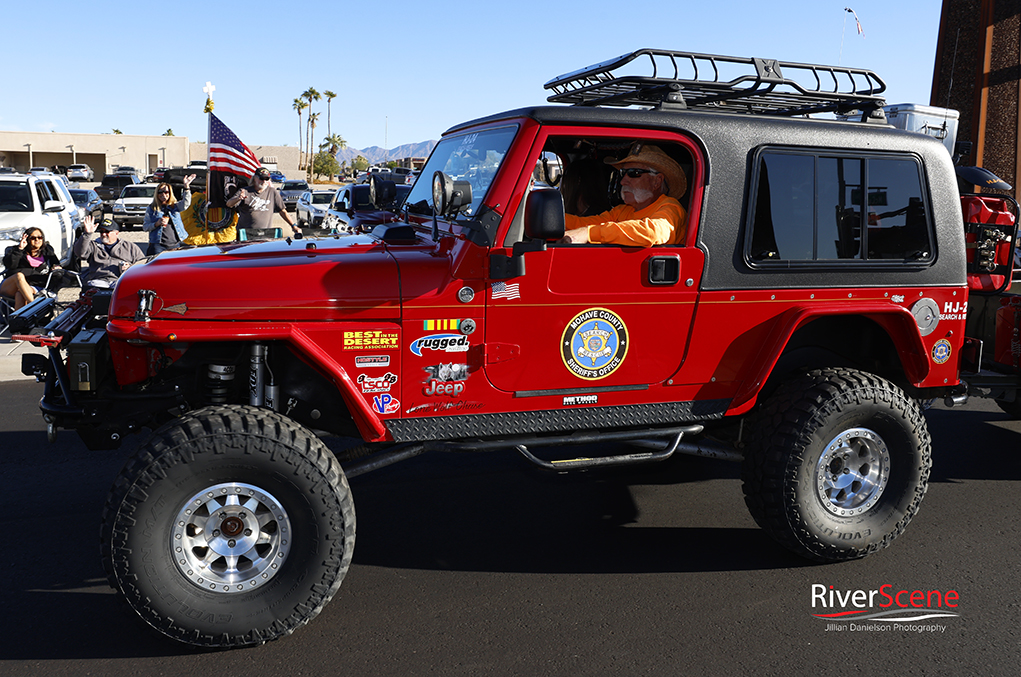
[[730, 143]]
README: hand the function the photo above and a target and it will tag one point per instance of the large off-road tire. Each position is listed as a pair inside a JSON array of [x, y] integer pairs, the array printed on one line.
[[231, 526], [838, 464], [1012, 409]]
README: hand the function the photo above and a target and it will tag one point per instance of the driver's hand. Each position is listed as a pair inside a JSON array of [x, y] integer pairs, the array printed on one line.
[[575, 236]]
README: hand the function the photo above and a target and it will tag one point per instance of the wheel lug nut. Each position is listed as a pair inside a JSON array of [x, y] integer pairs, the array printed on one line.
[[231, 543], [248, 532]]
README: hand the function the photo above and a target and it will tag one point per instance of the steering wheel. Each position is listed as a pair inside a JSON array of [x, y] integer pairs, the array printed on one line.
[[15, 204]]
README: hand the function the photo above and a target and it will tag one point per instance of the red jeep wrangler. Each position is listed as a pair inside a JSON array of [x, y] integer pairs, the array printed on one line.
[[819, 296]]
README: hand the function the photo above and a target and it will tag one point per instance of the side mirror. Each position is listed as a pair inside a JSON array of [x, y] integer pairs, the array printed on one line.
[[53, 206], [544, 215], [382, 194]]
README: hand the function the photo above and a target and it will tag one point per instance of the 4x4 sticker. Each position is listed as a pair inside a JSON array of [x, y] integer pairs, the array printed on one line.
[[594, 343], [448, 343], [941, 351]]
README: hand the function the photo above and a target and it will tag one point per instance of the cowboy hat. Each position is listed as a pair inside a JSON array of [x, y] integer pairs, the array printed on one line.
[[654, 158]]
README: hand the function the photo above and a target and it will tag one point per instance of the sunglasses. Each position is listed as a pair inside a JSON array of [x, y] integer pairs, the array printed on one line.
[[634, 172], [163, 192], [36, 237]]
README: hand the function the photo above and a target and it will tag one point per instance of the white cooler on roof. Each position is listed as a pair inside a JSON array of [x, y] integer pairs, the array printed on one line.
[[939, 123]]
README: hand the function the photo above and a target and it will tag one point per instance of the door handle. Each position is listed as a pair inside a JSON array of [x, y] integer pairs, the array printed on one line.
[[664, 270]]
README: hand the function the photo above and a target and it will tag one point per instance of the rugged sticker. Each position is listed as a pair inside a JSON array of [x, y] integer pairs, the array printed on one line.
[[379, 340], [365, 361], [941, 351], [594, 343], [448, 343], [376, 384]]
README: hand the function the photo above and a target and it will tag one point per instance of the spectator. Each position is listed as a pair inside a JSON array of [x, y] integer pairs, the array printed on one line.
[[108, 255], [163, 217], [27, 266], [257, 203]]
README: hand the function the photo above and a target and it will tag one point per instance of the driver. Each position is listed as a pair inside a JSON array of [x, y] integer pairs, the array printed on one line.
[[651, 184]]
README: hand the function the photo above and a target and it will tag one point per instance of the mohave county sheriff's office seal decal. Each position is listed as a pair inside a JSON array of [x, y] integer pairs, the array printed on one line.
[[594, 344]]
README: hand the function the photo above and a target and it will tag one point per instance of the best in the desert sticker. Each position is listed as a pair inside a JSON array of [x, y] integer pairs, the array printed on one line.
[[594, 343]]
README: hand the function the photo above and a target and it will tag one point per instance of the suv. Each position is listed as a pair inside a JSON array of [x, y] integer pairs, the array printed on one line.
[[111, 186], [291, 190], [352, 208], [819, 294], [28, 201], [80, 173]]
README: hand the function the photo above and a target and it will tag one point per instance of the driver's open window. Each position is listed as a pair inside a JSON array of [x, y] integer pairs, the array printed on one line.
[[578, 167]]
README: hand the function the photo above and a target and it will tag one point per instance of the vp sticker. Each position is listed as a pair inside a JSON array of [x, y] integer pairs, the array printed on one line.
[[941, 351], [594, 343]]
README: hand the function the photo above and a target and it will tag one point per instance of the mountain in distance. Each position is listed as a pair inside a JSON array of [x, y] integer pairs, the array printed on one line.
[[376, 155]]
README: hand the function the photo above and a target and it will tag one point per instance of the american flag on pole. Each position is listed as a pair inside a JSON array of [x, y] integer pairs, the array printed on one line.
[[502, 290], [231, 162], [226, 151]]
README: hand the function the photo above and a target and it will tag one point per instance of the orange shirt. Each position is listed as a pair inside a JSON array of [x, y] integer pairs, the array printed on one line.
[[662, 222]]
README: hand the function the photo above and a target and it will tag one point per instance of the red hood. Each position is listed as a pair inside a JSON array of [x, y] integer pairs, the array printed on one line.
[[325, 279]]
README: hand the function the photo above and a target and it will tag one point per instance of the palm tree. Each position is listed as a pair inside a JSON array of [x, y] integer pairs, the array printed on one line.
[[169, 132], [330, 96], [117, 131], [299, 105], [313, 118], [335, 142], [312, 95]]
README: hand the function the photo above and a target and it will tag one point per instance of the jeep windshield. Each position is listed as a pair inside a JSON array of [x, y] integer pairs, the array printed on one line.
[[474, 157], [15, 198]]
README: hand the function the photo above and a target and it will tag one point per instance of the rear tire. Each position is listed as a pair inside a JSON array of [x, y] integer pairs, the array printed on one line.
[[231, 526], [839, 465]]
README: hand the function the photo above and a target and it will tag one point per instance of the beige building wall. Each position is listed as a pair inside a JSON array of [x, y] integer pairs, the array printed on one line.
[[103, 152]]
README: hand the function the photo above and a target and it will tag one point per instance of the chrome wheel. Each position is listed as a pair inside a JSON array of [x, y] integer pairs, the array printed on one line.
[[853, 472], [230, 538]]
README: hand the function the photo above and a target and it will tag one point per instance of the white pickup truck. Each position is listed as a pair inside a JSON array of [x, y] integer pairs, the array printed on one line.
[[41, 201]]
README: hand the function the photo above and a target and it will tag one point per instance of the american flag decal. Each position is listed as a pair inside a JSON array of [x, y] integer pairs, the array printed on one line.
[[502, 290]]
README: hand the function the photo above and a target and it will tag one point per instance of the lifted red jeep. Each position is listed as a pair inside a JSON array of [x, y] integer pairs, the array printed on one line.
[[821, 293]]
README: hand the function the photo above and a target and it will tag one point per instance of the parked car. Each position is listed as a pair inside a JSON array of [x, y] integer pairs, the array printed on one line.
[[129, 208], [40, 201], [352, 207], [291, 190], [277, 176], [80, 173], [109, 189], [89, 203], [312, 206], [8, 170], [39, 170], [126, 169]]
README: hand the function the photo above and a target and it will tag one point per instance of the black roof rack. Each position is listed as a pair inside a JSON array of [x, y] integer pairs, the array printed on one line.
[[689, 80]]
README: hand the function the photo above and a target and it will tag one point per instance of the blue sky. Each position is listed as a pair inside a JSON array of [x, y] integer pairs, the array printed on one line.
[[404, 71]]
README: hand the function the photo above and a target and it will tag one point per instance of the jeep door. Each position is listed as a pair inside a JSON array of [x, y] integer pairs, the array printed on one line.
[[595, 317]]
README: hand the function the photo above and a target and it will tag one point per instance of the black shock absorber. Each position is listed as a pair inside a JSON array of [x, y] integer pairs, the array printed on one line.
[[219, 381]]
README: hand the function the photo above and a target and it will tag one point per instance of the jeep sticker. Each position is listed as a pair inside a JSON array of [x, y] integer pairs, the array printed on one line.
[[445, 380], [363, 361], [379, 340], [448, 343], [594, 343], [376, 384]]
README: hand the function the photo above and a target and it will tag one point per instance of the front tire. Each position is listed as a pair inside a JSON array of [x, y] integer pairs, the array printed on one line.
[[231, 526], [839, 464]]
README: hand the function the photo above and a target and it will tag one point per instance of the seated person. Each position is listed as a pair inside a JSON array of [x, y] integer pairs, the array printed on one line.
[[651, 185], [108, 255], [583, 186], [27, 266]]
